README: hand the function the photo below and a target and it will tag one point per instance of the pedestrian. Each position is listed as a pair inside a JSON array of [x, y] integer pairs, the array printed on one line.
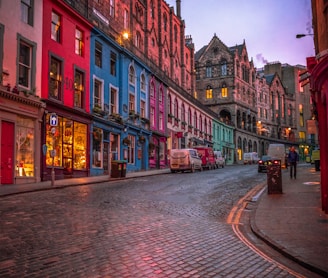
[[292, 160]]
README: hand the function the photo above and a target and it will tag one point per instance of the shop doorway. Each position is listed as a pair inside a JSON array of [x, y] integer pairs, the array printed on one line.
[[7, 152]]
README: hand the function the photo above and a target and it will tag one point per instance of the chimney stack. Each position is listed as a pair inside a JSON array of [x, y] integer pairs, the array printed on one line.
[[178, 8]]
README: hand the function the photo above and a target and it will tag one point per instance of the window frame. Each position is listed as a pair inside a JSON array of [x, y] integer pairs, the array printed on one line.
[[81, 90], [56, 27], [98, 101], [27, 12], [98, 54], [32, 72], [79, 42], [58, 79]]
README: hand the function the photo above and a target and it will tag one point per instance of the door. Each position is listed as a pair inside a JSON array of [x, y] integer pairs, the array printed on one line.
[[105, 158], [7, 153]]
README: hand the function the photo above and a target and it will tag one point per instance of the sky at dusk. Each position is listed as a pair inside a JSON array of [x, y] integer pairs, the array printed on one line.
[[269, 27]]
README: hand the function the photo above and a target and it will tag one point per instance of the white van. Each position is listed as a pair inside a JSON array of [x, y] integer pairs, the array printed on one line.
[[278, 151], [247, 158], [185, 160], [219, 159]]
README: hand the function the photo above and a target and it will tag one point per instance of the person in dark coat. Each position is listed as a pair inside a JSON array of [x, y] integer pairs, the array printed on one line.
[[293, 158]]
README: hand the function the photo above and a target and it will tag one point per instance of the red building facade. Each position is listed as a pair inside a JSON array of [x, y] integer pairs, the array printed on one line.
[[65, 89]]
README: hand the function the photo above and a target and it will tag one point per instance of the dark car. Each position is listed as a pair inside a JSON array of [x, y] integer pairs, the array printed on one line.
[[263, 163]]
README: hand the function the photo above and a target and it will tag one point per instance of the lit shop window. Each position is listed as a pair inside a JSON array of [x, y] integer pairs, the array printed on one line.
[[25, 148], [69, 142]]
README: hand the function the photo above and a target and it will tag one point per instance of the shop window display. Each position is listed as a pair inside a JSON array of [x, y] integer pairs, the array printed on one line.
[[69, 140], [25, 148]]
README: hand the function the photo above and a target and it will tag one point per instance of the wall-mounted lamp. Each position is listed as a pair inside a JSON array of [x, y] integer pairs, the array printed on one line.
[[125, 129], [298, 36]]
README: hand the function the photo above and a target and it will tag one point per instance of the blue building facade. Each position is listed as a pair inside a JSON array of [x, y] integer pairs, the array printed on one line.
[[119, 105]]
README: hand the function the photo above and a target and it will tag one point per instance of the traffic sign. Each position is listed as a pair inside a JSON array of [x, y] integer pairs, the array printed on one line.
[[53, 119]]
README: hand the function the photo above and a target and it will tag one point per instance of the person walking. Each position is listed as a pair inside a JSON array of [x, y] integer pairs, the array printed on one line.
[[292, 160]]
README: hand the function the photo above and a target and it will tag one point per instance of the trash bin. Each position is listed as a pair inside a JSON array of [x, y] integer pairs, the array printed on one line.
[[118, 169], [123, 169], [115, 169], [317, 164], [274, 177]]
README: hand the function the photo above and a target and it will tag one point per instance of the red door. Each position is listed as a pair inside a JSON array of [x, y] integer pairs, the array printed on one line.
[[7, 153]]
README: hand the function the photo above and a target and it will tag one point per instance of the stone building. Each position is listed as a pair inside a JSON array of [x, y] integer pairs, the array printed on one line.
[[297, 122], [225, 82]]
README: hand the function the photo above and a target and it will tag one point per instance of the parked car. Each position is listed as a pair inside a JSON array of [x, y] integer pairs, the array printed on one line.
[[263, 163], [185, 160], [219, 159], [207, 156]]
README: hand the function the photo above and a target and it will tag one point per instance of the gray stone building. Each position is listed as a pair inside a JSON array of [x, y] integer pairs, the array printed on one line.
[[225, 82]]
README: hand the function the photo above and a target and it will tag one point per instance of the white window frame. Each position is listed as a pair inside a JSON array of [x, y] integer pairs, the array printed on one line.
[[101, 97]]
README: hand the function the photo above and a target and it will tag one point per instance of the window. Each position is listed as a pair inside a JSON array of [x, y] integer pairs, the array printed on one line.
[[169, 104], [131, 102], [161, 121], [152, 89], [183, 116], [131, 149], [25, 147], [131, 75], [27, 11], [160, 96], [126, 19], [112, 8], [55, 86], [113, 61], [78, 42], [138, 40], [25, 64], [300, 108], [142, 108], [189, 117], [209, 92], [55, 27], [224, 91], [97, 135], [176, 109], [79, 89], [152, 116], [68, 134], [113, 100], [97, 93], [224, 68], [98, 54], [195, 120], [143, 83], [208, 71]]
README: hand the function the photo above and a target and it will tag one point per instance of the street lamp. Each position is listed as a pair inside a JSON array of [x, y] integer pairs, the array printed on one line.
[[298, 36]]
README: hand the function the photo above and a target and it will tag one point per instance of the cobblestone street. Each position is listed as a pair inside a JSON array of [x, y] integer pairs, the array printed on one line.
[[164, 226]]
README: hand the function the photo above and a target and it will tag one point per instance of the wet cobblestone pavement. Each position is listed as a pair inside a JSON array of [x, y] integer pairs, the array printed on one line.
[[164, 226]]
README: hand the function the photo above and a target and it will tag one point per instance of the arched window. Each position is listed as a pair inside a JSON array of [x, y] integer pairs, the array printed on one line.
[[183, 115], [138, 40], [209, 92], [189, 117], [132, 78], [169, 104], [176, 109], [143, 83], [195, 120]]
